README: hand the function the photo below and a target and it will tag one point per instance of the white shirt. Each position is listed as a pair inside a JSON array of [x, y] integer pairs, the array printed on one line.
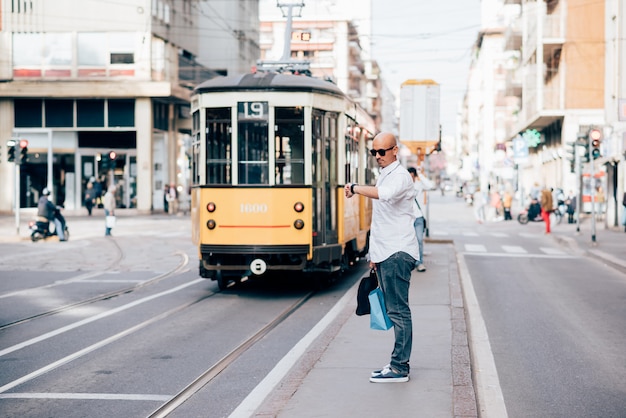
[[421, 183], [393, 214]]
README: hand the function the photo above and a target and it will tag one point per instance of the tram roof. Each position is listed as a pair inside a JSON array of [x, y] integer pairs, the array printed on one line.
[[268, 81]]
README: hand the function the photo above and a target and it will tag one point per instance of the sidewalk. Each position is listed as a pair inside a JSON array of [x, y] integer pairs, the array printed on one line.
[[82, 226], [331, 379], [609, 245], [329, 376]]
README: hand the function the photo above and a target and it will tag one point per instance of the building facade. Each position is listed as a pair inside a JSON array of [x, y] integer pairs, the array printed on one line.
[[335, 37], [83, 84], [543, 74]]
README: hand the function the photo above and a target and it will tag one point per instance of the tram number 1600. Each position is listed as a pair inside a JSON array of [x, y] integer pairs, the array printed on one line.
[[253, 208]]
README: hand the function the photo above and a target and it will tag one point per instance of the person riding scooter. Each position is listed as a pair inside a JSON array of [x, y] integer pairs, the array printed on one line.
[[48, 212]]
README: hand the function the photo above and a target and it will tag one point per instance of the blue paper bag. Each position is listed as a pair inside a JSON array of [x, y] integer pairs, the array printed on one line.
[[378, 312]]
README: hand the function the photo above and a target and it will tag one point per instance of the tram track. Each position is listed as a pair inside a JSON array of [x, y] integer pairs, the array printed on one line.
[[212, 372], [184, 261], [93, 347]]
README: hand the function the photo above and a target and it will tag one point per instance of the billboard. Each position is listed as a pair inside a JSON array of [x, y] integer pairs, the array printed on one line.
[[419, 114]]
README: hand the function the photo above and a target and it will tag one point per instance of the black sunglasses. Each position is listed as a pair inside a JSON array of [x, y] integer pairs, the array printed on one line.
[[382, 152]]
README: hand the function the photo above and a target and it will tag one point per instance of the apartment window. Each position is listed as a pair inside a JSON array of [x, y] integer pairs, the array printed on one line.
[[92, 49], [28, 113], [122, 47], [90, 113], [59, 113], [121, 112], [27, 49]]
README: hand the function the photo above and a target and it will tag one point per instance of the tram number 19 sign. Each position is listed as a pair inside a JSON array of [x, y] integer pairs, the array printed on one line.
[[252, 111]]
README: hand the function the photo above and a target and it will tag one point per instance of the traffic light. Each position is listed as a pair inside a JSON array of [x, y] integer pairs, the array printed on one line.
[[112, 156], [11, 146], [582, 141], [570, 152], [23, 151], [595, 137], [104, 162]]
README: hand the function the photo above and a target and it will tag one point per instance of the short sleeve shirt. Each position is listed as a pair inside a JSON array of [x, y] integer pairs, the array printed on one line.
[[393, 215]]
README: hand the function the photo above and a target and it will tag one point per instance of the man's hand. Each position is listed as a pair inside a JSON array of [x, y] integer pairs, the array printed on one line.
[[347, 190]]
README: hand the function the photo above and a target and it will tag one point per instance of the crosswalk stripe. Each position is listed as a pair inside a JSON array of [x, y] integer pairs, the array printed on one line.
[[475, 248], [499, 234], [470, 234], [514, 249], [551, 251]]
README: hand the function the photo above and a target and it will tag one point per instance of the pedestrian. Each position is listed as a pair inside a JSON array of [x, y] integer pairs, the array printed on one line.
[[166, 198], [393, 248], [495, 203], [600, 199], [546, 207], [172, 198], [420, 183], [570, 201], [97, 185], [624, 211], [478, 201], [507, 202], [109, 208], [90, 197]]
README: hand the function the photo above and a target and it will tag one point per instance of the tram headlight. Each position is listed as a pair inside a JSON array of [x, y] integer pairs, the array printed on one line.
[[298, 207], [298, 224], [210, 224], [210, 207]]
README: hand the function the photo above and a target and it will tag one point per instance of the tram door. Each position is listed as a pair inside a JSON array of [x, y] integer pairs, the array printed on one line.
[[324, 178]]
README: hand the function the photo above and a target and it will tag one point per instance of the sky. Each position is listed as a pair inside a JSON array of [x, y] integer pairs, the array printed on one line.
[[426, 39]]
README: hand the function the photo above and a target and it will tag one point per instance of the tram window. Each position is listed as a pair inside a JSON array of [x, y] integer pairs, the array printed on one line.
[[352, 153], [218, 146], [253, 142], [289, 145], [253, 153]]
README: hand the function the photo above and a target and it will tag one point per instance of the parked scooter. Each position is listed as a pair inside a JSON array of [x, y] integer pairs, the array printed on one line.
[[41, 227]]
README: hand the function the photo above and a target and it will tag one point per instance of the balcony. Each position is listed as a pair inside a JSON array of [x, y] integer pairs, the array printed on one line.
[[553, 34], [513, 36], [513, 83], [542, 103]]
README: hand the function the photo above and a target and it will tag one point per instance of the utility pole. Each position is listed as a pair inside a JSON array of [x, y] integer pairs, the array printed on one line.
[[594, 137], [289, 6]]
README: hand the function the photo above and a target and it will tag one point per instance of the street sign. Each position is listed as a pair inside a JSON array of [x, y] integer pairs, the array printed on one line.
[[520, 148]]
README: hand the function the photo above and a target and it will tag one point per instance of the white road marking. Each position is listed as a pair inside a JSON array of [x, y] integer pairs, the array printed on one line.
[[527, 255], [487, 385], [478, 248], [470, 234], [94, 347], [552, 251], [94, 396], [94, 318], [255, 398], [514, 249]]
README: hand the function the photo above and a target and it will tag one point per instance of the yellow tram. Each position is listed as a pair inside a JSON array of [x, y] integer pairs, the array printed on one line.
[[271, 153]]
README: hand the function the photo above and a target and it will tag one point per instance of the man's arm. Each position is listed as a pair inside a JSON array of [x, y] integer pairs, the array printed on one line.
[[368, 191], [426, 182]]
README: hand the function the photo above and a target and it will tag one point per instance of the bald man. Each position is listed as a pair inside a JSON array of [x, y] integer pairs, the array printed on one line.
[[393, 248]]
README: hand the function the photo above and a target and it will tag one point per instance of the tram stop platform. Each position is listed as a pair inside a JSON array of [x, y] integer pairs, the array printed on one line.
[[329, 373]]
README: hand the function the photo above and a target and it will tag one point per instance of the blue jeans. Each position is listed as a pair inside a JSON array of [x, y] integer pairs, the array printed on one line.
[[107, 230], [419, 232], [394, 278], [58, 228]]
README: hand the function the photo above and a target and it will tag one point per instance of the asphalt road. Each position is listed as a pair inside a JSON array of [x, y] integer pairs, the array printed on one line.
[[554, 316], [118, 326]]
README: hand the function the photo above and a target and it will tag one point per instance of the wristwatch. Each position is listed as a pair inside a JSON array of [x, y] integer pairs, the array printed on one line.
[[352, 188]]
